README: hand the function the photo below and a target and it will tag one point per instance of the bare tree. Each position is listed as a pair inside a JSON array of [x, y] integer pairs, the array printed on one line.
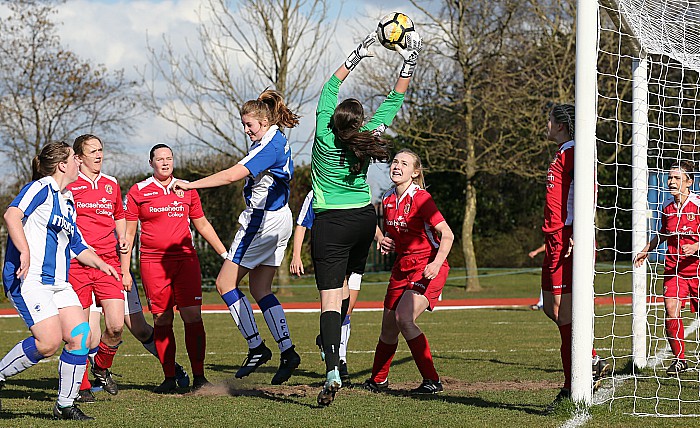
[[48, 93], [239, 52]]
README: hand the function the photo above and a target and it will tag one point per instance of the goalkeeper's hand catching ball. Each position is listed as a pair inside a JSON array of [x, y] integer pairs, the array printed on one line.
[[361, 51], [414, 44]]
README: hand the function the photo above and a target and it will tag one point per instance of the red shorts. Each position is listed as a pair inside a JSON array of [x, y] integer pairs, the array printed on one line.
[[407, 274], [87, 281], [557, 269], [682, 288], [170, 283]]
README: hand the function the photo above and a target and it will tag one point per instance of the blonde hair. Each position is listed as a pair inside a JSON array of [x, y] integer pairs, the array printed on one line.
[[270, 105], [417, 165], [45, 163]]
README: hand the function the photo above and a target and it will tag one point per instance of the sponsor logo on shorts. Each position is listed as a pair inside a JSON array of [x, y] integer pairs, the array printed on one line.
[[37, 307], [418, 284], [198, 298]]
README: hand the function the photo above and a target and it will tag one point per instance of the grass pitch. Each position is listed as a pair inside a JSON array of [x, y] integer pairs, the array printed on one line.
[[499, 367]]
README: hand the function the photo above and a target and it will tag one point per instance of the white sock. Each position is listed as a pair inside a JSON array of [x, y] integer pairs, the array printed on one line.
[[22, 356], [344, 338], [242, 314], [71, 368]]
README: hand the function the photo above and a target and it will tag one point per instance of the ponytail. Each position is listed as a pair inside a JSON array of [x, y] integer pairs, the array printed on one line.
[[270, 105], [45, 163], [566, 115]]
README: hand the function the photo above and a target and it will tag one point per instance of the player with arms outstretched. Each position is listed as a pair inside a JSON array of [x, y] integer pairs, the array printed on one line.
[[345, 220], [266, 225], [680, 229]]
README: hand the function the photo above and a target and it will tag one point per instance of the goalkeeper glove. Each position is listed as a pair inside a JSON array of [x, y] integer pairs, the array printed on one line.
[[414, 44], [361, 51]]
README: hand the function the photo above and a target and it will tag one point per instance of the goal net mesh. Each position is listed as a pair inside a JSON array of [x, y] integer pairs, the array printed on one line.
[[666, 33]]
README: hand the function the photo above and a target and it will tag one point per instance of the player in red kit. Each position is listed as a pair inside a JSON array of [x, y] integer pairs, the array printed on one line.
[[680, 228], [417, 231], [169, 265], [558, 240], [100, 218]]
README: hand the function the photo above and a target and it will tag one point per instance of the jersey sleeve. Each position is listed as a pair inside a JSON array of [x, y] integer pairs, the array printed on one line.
[[326, 106], [119, 205], [30, 197], [306, 213], [428, 211], [386, 112], [196, 210], [260, 158], [132, 208]]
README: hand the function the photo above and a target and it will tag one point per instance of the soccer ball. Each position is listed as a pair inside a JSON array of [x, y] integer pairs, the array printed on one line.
[[392, 30]]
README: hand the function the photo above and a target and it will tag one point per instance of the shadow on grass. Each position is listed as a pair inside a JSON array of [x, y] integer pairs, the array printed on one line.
[[497, 361], [36, 389], [7, 415]]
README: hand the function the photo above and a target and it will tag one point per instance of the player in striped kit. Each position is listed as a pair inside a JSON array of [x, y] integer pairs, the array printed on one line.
[[170, 268], [680, 229], [43, 236], [266, 225], [416, 230]]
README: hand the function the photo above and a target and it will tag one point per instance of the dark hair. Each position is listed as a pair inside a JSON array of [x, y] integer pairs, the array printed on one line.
[[566, 115], [270, 105], [81, 140], [686, 166], [45, 163], [345, 124], [417, 165], [156, 147]]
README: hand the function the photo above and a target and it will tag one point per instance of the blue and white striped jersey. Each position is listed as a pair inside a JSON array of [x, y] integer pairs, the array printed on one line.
[[306, 213], [51, 231], [270, 164]]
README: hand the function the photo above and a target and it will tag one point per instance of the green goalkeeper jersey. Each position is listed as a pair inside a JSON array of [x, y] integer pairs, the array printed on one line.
[[335, 187]]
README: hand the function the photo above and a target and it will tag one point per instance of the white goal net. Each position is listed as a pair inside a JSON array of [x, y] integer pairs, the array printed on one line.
[[648, 107]]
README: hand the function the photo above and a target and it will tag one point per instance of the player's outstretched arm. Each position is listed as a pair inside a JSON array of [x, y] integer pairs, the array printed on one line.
[[221, 178], [89, 258], [414, 44], [361, 51]]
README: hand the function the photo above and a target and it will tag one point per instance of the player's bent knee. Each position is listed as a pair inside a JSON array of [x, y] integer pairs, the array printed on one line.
[[79, 339]]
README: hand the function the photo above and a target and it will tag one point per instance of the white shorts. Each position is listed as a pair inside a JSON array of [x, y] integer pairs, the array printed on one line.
[[355, 281], [262, 238], [132, 302], [36, 301]]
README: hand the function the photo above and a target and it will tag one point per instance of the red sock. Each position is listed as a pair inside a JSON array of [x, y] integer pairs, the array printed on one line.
[[565, 350], [105, 355], [164, 338], [196, 343], [595, 354], [383, 355], [86, 382], [422, 356], [674, 333]]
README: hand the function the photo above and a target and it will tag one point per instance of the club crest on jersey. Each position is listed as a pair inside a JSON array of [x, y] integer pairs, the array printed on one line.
[[180, 193], [691, 216], [108, 189], [407, 208]]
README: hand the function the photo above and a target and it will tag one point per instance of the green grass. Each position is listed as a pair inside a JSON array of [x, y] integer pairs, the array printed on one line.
[[499, 366]]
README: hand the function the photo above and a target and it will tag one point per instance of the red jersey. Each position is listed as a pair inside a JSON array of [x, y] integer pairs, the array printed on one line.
[[98, 204], [559, 202], [680, 226], [165, 218], [410, 221]]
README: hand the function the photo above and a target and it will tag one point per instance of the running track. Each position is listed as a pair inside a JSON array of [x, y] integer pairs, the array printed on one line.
[[373, 306]]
